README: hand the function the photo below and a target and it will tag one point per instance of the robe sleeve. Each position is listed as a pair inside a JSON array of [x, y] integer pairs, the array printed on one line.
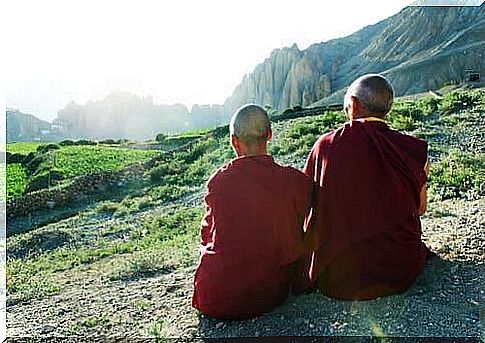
[[207, 220]]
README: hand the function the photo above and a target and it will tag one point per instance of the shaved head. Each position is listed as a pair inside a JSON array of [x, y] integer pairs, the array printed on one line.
[[250, 124], [374, 92]]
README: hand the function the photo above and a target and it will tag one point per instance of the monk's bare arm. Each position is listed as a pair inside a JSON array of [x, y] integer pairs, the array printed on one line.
[[424, 193]]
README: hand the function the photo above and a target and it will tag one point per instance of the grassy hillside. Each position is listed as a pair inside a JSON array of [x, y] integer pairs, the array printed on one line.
[[152, 231], [39, 166]]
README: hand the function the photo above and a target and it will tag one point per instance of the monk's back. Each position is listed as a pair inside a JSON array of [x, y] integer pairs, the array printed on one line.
[[369, 231], [250, 237]]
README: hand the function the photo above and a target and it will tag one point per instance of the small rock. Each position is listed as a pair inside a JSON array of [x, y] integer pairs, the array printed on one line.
[[219, 325], [48, 328], [311, 326]]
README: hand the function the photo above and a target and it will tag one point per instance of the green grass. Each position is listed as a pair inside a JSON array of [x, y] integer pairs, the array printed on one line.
[[157, 235], [75, 161], [17, 180], [298, 135], [457, 172], [68, 162], [22, 148]]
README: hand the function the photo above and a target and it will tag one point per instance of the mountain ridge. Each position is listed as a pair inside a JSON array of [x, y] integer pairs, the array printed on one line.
[[324, 69]]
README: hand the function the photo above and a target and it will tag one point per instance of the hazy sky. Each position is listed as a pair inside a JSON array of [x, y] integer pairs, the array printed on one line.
[[180, 51]]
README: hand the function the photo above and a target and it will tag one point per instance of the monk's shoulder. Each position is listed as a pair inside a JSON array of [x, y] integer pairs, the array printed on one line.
[[327, 139], [219, 177], [295, 176], [408, 140]]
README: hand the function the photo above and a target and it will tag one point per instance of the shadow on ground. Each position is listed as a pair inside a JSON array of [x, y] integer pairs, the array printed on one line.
[[443, 302]]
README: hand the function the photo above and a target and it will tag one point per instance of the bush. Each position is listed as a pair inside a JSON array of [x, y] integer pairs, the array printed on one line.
[[108, 142], [457, 172], [33, 161], [166, 168], [66, 142], [45, 148], [160, 138], [14, 158], [85, 142], [288, 111], [459, 100], [45, 180]]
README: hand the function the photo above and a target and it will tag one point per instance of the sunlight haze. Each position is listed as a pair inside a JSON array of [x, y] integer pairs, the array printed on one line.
[[178, 52]]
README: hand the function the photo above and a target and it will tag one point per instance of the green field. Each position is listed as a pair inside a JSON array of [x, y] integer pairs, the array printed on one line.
[[67, 163], [16, 180], [22, 148], [74, 161]]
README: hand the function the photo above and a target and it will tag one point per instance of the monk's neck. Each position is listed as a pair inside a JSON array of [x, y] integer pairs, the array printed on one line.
[[365, 117]]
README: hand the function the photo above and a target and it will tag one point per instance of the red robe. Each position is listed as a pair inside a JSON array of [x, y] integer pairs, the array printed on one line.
[[251, 237], [366, 232]]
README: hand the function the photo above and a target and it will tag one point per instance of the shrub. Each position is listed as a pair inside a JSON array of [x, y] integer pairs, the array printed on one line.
[[33, 161], [14, 158], [457, 172], [85, 142], [288, 111], [459, 100], [108, 141], [45, 180], [166, 168], [48, 147], [160, 137], [66, 142], [108, 207]]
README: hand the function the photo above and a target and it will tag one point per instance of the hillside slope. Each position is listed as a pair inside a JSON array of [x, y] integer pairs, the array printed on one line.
[[419, 49], [124, 267]]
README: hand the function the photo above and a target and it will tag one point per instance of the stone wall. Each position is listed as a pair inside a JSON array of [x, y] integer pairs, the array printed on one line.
[[77, 190]]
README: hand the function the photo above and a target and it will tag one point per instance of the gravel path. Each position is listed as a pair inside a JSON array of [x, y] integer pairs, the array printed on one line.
[[445, 301]]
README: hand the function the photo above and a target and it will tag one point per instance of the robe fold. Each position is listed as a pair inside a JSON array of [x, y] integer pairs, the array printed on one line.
[[251, 237], [366, 235]]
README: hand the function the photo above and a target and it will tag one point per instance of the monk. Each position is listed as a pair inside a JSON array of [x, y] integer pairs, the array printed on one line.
[[252, 230], [366, 236]]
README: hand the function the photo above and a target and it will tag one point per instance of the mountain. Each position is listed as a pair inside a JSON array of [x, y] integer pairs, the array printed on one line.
[[125, 115], [27, 127], [418, 49]]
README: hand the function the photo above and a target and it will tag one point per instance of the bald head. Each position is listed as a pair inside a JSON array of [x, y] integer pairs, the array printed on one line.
[[250, 124], [374, 93], [250, 130]]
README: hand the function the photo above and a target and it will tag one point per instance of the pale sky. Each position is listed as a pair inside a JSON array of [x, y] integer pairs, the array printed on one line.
[[179, 51]]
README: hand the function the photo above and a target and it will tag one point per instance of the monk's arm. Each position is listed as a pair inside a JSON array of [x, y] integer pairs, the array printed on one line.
[[424, 193], [207, 221]]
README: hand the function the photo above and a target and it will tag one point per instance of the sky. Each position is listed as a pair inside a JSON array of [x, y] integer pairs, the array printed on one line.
[[183, 51]]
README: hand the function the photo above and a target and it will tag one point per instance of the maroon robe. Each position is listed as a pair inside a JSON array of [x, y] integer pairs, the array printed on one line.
[[366, 233], [251, 237]]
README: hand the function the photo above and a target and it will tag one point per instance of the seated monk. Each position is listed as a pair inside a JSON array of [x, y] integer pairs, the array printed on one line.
[[366, 236], [252, 231]]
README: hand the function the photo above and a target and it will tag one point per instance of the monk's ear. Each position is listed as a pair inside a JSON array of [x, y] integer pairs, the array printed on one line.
[[270, 135], [234, 142], [355, 107]]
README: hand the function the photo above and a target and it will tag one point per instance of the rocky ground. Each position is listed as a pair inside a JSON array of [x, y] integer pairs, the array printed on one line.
[[445, 300]]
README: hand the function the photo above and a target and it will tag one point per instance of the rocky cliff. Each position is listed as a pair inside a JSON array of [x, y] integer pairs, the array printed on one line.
[[26, 127], [420, 48]]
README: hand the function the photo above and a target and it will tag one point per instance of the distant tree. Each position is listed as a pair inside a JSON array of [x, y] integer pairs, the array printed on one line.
[[161, 138]]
